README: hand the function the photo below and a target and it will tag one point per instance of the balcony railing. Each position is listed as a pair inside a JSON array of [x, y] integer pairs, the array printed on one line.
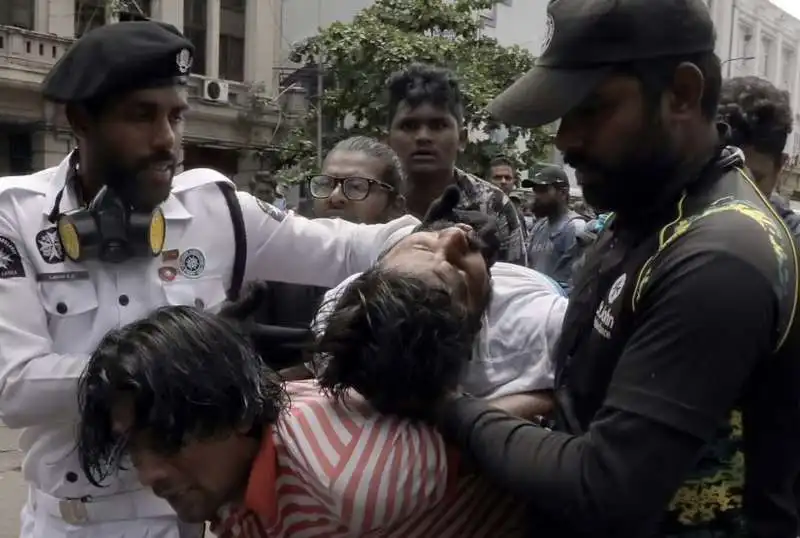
[[29, 55]]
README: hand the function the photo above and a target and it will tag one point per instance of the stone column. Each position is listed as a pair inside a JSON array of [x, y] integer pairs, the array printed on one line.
[[41, 16], [260, 51], [170, 11], [758, 52], [213, 16], [779, 60], [60, 19]]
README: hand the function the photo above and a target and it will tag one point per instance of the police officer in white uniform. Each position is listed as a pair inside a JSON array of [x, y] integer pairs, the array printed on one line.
[[109, 235]]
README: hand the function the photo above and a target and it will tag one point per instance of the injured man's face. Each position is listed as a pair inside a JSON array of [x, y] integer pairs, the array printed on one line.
[[448, 256], [401, 333], [429, 318]]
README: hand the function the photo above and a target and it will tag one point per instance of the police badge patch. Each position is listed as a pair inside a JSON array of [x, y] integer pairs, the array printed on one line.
[[10, 259], [183, 61], [271, 210], [49, 246], [192, 263]]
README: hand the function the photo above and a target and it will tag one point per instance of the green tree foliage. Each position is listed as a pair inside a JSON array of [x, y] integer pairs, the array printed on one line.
[[359, 56]]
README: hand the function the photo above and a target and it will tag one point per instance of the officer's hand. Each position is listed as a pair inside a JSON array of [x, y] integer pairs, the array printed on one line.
[[445, 209], [442, 208]]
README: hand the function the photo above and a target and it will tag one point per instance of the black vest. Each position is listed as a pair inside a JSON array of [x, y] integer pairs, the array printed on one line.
[[719, 495]]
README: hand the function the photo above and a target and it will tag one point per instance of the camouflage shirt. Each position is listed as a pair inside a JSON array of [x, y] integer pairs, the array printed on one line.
[[790, 218], [479, 195]]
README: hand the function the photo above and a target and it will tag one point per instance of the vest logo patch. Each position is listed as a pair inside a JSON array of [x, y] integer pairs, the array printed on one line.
[[604, 318], [616, 289]]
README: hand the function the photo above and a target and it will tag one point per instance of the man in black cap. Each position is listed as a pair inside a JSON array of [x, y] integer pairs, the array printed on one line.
[[552, 245], [107, 237], [677, 373]]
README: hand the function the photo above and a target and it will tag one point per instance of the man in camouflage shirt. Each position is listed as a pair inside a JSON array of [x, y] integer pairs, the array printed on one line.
[[426, 129]]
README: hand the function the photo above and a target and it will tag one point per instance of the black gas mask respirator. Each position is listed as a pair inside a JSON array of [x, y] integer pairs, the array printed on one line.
[[109, 230]]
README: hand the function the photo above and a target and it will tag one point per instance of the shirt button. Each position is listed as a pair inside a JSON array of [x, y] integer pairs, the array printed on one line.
[[72, 477], [124, 300], [61, 308], [199, 303]]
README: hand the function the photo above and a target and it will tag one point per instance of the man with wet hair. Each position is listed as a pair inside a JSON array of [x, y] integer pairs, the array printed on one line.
[[183, 398]]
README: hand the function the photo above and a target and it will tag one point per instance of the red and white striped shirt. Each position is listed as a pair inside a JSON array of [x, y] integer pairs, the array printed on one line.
[[330, 471]]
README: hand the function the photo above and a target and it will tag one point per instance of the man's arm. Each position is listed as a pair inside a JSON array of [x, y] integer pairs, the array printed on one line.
[[36, 385], [509, 230], [526, 405], [285, 247], [540, 305], [702, 328]]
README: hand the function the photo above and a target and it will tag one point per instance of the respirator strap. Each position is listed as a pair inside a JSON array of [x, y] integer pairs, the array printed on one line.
[[239, 238]]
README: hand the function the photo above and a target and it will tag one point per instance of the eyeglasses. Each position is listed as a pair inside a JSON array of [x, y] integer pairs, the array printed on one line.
[[354, 188]]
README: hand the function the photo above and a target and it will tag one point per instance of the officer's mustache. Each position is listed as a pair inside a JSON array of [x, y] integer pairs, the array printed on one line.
[[119, 174], [129, 180], [162, 159]]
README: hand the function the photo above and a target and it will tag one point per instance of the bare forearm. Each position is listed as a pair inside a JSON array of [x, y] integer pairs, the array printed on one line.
[[527, 405], [296, 373]]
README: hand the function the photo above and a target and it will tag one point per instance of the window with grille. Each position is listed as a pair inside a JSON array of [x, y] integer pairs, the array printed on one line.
[[133, 10], [20, 153], [17, 13], [194, 28], [232, 40], [89, 14]]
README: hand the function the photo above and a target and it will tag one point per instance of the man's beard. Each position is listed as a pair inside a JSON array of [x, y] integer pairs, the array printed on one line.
[[129, 181], [544, 209], [637, 178]]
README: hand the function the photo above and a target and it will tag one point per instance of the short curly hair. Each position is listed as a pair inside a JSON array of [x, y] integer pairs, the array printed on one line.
[[423, 83], [759, 114]]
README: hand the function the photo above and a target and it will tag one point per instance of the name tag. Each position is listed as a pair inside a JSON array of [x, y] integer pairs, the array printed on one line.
[[62, 277]]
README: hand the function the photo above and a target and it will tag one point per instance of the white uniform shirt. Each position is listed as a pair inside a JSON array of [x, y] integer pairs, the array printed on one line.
[[53, 316], [520, 329]]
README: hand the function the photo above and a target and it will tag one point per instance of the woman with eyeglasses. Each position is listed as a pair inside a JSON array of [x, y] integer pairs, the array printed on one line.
[[361, 181]]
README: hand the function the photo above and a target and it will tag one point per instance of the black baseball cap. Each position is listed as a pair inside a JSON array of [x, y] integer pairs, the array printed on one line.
[[549, 175], [117, 58], [587, 40]]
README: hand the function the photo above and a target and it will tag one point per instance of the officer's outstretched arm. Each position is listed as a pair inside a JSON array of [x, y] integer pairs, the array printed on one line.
[[283, 247], [36, 385]]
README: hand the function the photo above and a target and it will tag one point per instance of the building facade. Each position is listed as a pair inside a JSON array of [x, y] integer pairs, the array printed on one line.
[[236, 109]]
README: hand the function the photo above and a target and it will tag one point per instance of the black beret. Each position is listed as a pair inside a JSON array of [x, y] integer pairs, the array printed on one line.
[[118, 58]]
